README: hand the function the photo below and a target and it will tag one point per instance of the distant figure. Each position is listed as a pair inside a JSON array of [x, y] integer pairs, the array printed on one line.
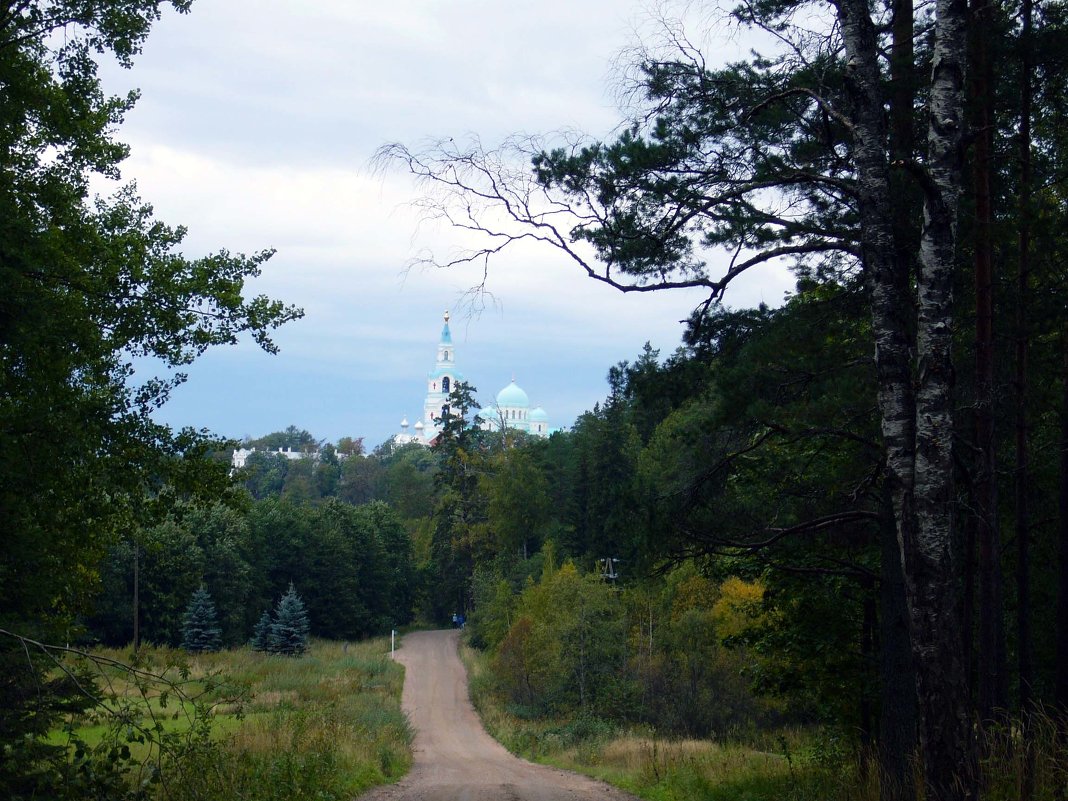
[[462, 620], [455, 620]]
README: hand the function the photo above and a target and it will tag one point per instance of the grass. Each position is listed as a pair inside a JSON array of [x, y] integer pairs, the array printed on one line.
[[787, 765], [327, 725]]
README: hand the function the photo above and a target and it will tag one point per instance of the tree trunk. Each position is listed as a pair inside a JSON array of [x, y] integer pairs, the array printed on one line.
[[993, 681], [866, 712], [136, 597], [1025, 646], [918, 427], [931, 572], [1061, 682], [897, 723], [967, 612]]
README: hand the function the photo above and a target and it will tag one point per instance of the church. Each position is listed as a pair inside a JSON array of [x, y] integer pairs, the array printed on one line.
[[511, 407]]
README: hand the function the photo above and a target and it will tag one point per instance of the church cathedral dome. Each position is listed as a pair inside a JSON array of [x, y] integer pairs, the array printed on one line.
[[513, 397]]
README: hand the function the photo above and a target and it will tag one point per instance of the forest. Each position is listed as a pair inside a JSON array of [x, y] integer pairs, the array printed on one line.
[[847, 514]]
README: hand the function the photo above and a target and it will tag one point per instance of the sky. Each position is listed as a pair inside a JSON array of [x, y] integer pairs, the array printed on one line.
[[255, 129]]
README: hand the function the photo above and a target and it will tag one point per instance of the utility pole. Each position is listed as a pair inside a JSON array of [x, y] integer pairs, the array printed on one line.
[[136, 598]]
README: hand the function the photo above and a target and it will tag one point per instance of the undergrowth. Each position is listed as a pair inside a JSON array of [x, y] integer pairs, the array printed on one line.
[[783, 765]]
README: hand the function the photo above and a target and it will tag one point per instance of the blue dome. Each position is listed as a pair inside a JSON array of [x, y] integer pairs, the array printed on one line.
[[539, 415], [489, 416], [512, 396]]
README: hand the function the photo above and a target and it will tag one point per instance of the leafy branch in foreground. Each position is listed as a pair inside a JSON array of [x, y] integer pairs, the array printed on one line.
[[94, 726]]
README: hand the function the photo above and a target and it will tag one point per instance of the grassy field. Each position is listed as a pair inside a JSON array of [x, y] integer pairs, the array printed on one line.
[[327, 725]]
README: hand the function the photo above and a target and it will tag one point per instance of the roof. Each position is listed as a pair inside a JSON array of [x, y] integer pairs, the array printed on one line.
[[513, 396], [443, 371]]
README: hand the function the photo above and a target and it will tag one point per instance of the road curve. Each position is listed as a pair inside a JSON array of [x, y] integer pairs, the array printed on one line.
[[455, 759]]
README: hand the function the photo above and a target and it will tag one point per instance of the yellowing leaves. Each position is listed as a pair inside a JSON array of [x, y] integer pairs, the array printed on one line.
[[740, 607]]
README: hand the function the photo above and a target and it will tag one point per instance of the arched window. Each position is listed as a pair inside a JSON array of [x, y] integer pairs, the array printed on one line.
[[444, 411], [445, 384]]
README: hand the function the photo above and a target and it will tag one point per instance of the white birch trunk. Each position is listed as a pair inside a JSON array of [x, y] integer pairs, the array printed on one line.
[[917, 424]]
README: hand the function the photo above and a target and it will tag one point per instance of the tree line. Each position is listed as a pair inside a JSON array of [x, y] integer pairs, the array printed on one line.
[[352, 566]]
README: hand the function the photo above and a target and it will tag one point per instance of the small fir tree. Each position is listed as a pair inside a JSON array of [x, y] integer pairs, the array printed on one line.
[[261, 635], [200, 624], [289, 633]]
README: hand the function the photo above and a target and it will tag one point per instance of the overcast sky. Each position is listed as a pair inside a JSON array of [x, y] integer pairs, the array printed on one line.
[[255, 128]]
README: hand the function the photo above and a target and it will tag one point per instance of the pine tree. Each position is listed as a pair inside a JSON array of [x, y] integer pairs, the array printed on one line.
[[261, 635], [289, 633], [200, 624]]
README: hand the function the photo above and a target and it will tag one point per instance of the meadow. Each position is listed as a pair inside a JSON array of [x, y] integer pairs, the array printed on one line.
[[239, 724]]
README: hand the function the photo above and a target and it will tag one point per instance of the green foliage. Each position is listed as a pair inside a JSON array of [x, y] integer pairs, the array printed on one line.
[[357, 563], [200, 625], [402, 477], [565, 646], [261, 634], [289, 630], [518, 505], [108, 728], [294, 438], [460, 506], [90, 286]]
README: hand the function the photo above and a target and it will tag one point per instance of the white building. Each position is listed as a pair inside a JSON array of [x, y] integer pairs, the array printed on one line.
[[240, 456], [511, 408]]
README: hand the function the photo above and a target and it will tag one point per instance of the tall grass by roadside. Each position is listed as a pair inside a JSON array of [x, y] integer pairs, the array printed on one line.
[[781, 765], [326, 726]]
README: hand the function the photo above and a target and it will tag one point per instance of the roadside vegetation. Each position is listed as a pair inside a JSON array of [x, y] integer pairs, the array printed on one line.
[[240, 724], [782, 763]]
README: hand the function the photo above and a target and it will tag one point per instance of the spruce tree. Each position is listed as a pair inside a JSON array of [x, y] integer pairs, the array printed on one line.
[[289, 633], [261, 635], [200, 624]]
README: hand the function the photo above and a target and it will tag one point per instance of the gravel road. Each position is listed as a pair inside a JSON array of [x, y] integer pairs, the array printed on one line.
[[455, 760]]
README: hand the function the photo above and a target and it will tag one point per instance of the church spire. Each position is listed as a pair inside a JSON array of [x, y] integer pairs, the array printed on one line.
[[446, 335]]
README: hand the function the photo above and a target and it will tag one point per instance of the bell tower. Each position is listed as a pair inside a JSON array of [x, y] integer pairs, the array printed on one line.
[[439, 383]]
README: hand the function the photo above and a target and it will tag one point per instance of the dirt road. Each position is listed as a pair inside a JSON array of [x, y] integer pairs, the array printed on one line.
[[455, 760]]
